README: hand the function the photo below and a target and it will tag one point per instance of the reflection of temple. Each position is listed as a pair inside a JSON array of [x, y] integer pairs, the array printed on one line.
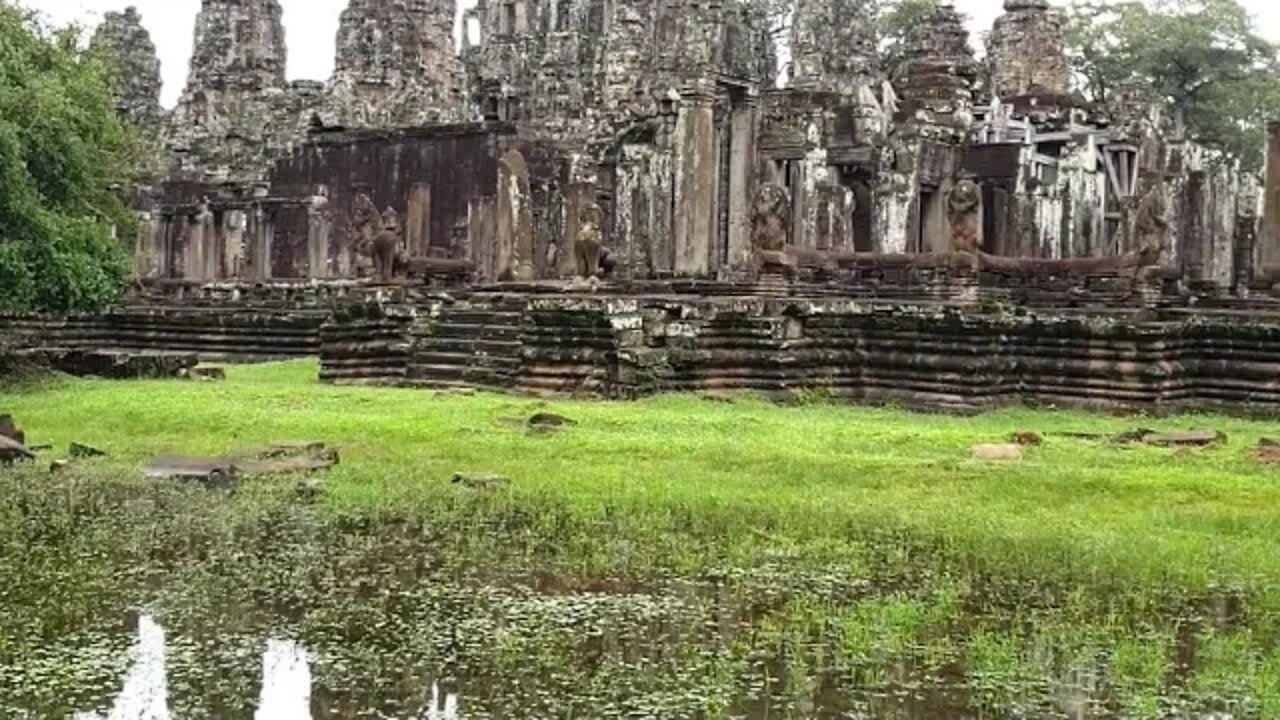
[[668, 115]]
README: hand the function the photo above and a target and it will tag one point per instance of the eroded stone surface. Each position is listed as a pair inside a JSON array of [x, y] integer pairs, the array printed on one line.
[[1027, 53], [396, 65], [126, 43]]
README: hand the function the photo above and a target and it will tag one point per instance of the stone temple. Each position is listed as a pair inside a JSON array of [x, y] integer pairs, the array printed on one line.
[[619, 197]]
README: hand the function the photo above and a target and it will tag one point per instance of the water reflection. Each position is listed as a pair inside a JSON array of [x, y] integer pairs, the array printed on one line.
[[286, 684], [145, 695]]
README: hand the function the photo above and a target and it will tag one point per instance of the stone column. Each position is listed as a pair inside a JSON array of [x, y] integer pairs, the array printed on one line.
[[1269, 242], [742, 162], [417, 223], [319, 229], [515, 219], [695, 183], [260, 231]]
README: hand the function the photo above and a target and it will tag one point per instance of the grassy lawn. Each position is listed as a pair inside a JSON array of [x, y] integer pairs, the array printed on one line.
[[855, 552]]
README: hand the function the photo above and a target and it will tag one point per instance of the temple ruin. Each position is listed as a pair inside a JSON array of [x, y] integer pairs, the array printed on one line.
[[627, 196]]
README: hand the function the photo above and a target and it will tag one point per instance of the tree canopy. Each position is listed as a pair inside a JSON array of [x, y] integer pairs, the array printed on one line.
[[65, 166], [1203, 60]]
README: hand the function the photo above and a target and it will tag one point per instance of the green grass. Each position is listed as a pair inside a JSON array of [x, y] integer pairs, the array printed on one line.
[[751, 474], [870, 529]]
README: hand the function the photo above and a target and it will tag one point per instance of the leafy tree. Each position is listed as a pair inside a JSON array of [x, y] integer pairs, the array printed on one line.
[[1203, 60], [64, 158]]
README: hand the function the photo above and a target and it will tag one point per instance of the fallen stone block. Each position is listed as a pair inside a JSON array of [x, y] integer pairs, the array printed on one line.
[[80, 450], [111, 364], [1268, 452], [480, 481], [202, 373], [997, 453], [223, 471], [1188, 438], [548, 421], [287, 459], [12, 451], [309, 489], [1027, 437], [10, 429]]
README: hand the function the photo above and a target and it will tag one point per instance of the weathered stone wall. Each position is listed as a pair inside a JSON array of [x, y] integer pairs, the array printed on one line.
[[436, 179]]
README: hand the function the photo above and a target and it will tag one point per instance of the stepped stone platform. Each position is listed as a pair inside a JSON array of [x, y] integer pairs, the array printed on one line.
[[963, 346], [929, 336]]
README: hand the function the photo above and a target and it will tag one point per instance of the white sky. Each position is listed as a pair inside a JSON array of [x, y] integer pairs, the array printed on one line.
[[310, 26]]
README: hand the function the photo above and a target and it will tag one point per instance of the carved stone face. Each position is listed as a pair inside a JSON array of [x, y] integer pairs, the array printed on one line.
[[965, 196]]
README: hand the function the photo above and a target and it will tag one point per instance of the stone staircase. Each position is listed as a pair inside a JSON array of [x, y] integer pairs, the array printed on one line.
[[472, 345]]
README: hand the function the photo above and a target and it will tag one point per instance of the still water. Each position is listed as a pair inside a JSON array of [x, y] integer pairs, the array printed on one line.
[[286, 683]]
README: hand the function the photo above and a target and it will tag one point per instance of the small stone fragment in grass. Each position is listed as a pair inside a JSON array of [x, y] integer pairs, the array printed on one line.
[[309, 489], [721, 398], [208, 373], [80, 450], [1027, 437], [480, 481], [1268, 452], [10, 429], [12, 451], [997, 452], [58, 466], [547, 419]]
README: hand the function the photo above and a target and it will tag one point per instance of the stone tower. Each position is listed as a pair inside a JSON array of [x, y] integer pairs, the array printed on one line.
[[833, 45], [237, 110], [122, 38], [940, 70], [1026, 50], [238, 43], [396, 64]]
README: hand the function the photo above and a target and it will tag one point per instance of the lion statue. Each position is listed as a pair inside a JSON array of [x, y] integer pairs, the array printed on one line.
[[769, 213], [964, 203]]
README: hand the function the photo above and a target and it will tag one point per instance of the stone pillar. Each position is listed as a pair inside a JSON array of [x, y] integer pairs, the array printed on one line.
[[148, 257], [577, 196], [514, 239], [233, 227], [1269, 250], [417, 222], [319, 232], [695, 184], [260, 232], [1194, 253], [742, 161]]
